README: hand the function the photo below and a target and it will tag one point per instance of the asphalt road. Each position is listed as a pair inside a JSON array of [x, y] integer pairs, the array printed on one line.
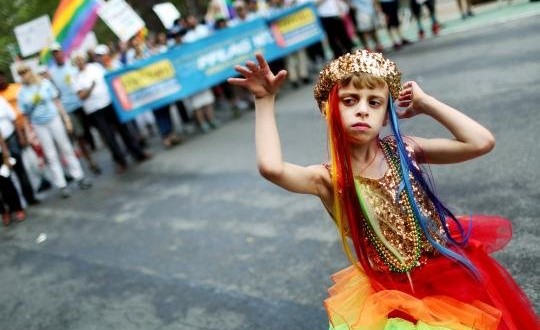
[[196, 239]]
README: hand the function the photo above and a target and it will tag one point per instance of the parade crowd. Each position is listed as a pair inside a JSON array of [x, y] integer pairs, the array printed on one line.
[[51, 120]]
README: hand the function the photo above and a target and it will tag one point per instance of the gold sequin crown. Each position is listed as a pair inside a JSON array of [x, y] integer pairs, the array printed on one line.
[[359, 61]]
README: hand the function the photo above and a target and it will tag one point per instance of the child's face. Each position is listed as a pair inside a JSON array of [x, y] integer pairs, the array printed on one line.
[[363, 111]]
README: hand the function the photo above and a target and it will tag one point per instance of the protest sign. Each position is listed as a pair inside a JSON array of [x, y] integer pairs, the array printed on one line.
[[34, 36], [121, 19], [167, 13]]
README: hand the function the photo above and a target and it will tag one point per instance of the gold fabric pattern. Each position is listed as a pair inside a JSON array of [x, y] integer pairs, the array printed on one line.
[[397, 227]]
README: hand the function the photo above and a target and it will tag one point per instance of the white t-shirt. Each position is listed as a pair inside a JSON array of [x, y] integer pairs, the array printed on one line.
[[7, 116], [332, 8], [99, 97]]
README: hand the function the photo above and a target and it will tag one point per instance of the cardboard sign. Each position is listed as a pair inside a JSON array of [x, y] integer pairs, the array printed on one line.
[[121, 19], [167, 13], [34, 36]]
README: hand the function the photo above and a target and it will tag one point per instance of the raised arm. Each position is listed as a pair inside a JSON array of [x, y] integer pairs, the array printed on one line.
[[471, 139], [264, 85]]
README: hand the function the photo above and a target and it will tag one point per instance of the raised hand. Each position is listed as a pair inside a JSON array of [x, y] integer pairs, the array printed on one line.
[[258, 78], [412, 99]]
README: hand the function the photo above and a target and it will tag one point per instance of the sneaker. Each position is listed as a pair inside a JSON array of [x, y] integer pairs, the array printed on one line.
[[44, 185], [95, 169], [6, 218], [65, 192], [397, 46], [188, 129], [204, 128], [121, 168], [379, 48], [214, 123], [84, 183], [33, 201], [20, 216], [436, 28], [405, 42]]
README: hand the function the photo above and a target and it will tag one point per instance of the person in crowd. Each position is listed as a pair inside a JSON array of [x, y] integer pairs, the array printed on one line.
[[89, 84], [416, 10], [390, 8], [14, 121], [8, 193], [236, 99], [297, 63], [330, 12], [202, 103], [367, 23], [176, 34], [62, 73], [162, 114], [216, 9], [241, 13], [142, 127], [465, 8], [39, 100], [105, 58], [414, 264], [256, 7]]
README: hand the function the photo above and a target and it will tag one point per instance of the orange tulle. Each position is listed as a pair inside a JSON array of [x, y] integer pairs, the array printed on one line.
[[441, 293], [353, 302]]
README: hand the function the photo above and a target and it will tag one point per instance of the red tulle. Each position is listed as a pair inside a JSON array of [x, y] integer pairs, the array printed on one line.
[[496, 287]]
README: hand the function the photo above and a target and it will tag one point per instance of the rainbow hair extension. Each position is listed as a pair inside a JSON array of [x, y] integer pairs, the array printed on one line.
[[443, 212], [345, 198], [348, 198]]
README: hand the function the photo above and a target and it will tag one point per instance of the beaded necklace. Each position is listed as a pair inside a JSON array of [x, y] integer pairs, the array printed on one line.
[[390, 258]]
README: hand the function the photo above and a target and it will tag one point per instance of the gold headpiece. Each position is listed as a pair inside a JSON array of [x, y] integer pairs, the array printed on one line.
[[359, 61]]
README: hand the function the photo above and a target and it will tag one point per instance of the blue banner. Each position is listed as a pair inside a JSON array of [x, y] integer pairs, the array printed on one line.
[[193, 67]]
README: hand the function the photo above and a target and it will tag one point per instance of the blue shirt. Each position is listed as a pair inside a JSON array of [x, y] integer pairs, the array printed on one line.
[[62, 77], [36, 102]]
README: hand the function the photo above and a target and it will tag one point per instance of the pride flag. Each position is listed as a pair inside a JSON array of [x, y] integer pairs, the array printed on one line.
[[72, 21]]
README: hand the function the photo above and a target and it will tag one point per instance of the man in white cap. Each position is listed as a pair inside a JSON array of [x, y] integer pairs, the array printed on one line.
[[62, 74]]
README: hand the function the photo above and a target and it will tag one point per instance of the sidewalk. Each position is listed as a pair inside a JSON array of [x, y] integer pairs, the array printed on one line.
[[486, 14]]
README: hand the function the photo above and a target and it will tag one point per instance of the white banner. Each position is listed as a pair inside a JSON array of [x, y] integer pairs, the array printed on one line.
[[167, 13], [35, 35], [121, 19]]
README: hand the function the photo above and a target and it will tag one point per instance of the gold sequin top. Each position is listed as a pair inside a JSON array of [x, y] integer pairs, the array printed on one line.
[[396, 225]]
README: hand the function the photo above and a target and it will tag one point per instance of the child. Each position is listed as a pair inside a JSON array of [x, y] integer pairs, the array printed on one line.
[[416, 266]]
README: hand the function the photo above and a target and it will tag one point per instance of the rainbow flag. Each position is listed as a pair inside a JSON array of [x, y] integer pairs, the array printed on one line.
[[72, 21]]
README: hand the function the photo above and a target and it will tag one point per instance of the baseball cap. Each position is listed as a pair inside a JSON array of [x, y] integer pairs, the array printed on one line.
[[55, 47]]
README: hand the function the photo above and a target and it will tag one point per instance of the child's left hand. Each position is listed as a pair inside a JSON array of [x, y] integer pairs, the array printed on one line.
[[411, 98]]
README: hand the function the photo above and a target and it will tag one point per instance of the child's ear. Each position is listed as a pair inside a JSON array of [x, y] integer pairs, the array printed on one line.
[[385, 121]]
